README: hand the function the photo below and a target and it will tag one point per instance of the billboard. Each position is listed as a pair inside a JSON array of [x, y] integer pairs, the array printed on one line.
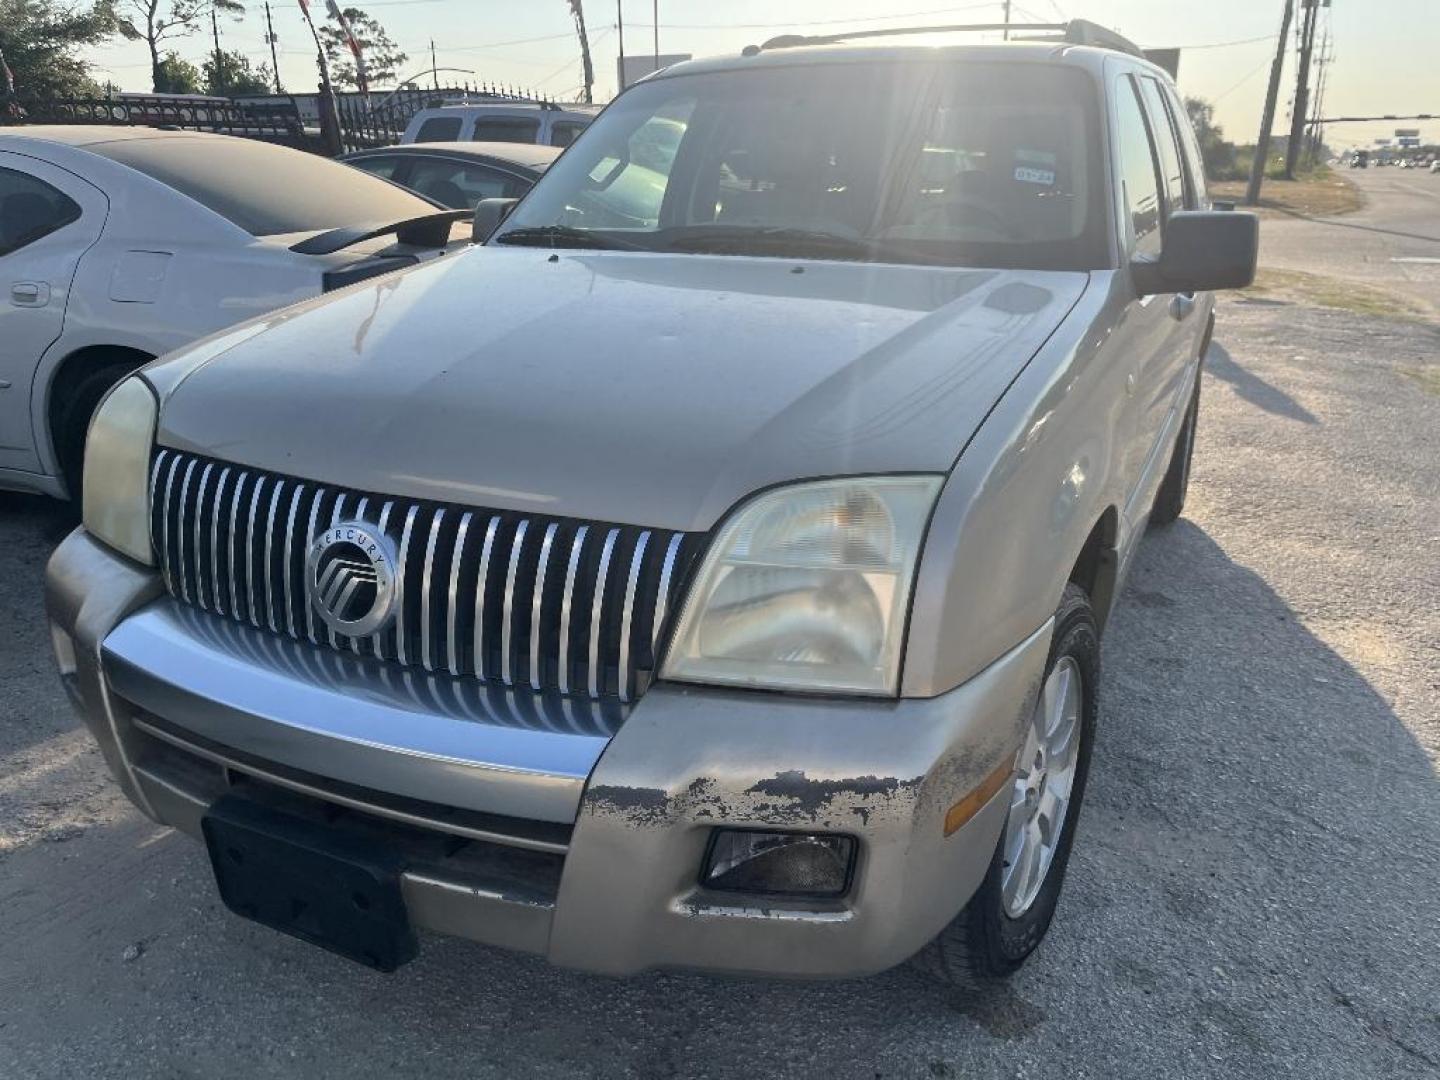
[[1407, 133], [631, 69]]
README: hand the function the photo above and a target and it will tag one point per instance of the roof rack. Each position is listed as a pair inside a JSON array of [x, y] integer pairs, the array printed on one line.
[[1074, 32]]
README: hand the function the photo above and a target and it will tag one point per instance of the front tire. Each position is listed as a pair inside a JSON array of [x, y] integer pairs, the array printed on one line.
[[1011, 911]]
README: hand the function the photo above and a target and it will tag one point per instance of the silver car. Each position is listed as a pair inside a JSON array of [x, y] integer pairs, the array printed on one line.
[[708, 571]]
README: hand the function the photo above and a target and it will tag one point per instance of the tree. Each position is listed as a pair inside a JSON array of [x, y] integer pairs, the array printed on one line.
[[1217, 154], [382, 56], [41, 40], [230, 74], [176, 75], [157, 21]]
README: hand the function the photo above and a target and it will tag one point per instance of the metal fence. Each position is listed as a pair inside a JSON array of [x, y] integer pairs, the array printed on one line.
[[359, 121], [380, 119], [277, 123]]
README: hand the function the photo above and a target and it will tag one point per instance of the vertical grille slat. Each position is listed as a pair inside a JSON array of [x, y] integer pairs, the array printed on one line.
[[597, 613], [426, 573], [627, 613], [402, 654], [482, 582], [216, 593], [250, 576], [537, 605], [270, 554], [452, 608], [198, 522], [290, 559], [181, 530], [507, 614], [376, 641], [540, 604]]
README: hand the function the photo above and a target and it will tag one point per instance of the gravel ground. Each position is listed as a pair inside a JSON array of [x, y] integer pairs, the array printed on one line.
[[1256, 890]]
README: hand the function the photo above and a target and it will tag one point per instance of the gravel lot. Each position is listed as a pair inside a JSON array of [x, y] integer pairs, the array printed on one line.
[[1256, 890]]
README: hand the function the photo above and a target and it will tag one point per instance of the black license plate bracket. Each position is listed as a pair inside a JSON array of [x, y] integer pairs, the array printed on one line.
[[311, 881]]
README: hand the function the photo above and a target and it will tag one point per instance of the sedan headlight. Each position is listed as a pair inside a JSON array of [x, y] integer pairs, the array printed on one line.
[[807, 587], [117, 470]]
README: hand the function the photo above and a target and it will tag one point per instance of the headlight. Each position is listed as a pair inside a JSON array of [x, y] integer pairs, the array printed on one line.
[[117, 470], [807, 588]]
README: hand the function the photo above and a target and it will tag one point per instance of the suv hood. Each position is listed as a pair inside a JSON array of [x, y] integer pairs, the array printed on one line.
[[629, 387]]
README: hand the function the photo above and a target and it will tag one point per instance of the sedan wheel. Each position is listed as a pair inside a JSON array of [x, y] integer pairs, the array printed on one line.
[[1041, 794]]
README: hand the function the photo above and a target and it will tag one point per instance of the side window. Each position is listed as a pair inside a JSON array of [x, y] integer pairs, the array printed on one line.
[[1138, 175], [563, 132], [30, 209], [383, 167], [457, 186], [1172, 167], [501, 129], [439, 129]]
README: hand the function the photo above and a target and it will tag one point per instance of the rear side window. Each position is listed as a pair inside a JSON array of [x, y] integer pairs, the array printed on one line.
[[30, 209], [505, 129], [1172, 167], [439, 129], [458, 186], [383, 167], [1138, 177], [563, 132]]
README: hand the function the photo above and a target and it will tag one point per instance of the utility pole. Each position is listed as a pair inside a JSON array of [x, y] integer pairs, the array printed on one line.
[[1300, 108], [1007, 20], [1267, 118], [434, 68], [1316, 129], [274, 60], [655, 19], [620, 29], [219, 62]]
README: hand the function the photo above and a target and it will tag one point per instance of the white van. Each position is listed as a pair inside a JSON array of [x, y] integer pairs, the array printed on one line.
[[511, 121]]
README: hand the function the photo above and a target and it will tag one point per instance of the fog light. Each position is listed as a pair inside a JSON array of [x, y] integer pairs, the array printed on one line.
[[795, 864]]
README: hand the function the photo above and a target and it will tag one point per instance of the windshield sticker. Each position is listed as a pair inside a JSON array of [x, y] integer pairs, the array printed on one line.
[[1035, 167]]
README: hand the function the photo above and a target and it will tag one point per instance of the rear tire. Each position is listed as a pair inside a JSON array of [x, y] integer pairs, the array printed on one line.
[[991, 938], [72, 420]]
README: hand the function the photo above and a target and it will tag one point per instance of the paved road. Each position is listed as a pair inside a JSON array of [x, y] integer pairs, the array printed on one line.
[[1256, 891], [1393, 242]]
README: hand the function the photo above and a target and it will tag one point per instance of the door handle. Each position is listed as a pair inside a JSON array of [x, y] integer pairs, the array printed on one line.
[[1181, 304], [30, 294]]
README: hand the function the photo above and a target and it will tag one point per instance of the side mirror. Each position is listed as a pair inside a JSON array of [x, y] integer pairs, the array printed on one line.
[[489, 213], [1204, 250]]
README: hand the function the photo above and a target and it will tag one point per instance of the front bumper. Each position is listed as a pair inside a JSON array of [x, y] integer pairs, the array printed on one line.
[[547, 826]]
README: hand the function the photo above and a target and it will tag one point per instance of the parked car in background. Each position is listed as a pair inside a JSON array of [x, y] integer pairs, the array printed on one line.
[[118, 244], [710, 573], [511, 121], [458, 175]]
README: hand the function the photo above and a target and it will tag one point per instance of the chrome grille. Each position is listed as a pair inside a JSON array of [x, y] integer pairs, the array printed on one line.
[[551, 604]]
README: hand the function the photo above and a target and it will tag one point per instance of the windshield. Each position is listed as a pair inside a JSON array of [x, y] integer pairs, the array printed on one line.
[[266, 189], [976, 164]]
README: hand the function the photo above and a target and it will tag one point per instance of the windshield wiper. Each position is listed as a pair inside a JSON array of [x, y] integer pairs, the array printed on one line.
[[767, 239], [562, 236]]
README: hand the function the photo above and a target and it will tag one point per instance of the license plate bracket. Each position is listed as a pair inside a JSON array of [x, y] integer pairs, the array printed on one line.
[[311, 881]]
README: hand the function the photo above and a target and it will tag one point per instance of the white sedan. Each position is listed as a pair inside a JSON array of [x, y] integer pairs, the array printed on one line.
[[119, 244]]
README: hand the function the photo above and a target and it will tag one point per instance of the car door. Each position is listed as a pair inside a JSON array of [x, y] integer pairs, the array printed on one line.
[[48, 219], [1147, 330], [1172, 366]]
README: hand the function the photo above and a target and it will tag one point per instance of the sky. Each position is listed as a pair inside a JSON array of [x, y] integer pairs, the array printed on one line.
[[1385, 53]]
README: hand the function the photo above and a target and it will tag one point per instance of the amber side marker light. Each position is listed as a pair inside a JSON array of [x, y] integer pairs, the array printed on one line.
[[970, 805]]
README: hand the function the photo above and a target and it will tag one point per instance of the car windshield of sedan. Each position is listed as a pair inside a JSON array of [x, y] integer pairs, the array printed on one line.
[[975, 164]]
